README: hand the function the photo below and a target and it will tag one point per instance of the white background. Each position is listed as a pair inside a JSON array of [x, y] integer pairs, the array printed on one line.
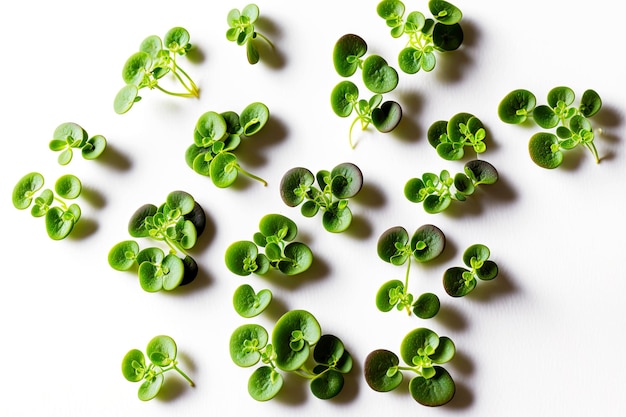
[[544, 338]]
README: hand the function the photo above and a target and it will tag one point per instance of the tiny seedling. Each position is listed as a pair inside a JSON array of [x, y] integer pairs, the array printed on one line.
[[459, 281], [441, 33], [297, 346], [249, 303], [177, 223], [146, 68], [241, 30], [336, 187], [377, 76], [422, 350], [217, 136], [276, 234], [60, 216], [572, 124], [69, 136], [451, 137], [395, 247], [161, 353], [437, 192]]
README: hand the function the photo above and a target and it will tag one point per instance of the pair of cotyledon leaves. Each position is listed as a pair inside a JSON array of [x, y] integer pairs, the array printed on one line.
[[69, 136]]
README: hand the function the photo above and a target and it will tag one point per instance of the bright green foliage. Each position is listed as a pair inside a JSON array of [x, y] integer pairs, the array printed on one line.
[[378, 77], [426, 36], [276, 234], [571, 124], [422, 350], [241, 30], [395, 247], [217, 136], [177, 223], [155, 59], [69, 136], [336, 187], [450, 138], [248, 303], [437, 192], [60, 217], [150, 368], [296, 346], [459, 281]]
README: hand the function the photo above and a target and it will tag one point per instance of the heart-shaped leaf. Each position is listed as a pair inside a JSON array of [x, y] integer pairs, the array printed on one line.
[[387, 117], [346, 54], [248, 303], [378, 76]]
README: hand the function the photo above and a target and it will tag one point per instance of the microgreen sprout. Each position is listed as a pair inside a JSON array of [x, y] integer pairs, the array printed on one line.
[[276, 234], [572, 124], [155, 59], [249, 303], [161, 353], [441, 33], [335, 188], [297, 346], [242, 31], [450, 138], [422, 350], [177, 223], [459, 281], [395, 247], [377, 76], [217, 136], [60, 217], [69, 136], [437, 192]]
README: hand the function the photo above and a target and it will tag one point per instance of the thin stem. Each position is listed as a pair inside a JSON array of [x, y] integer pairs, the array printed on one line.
[[265, 39], [194, 88], [352, 145], [592, 147], [184, 375], [250, 175], [158, 87], [406, 284]]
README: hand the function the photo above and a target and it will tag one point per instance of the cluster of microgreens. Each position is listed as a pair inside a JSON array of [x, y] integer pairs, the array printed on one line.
[[161, 352], [276, 234], [459, 281], [69, 136], [297, 346], [146, 68], [396, 247], [178, 223], [60, 217], [437, 192], [216, 136], [422, 351], [451, 137], [378, 78], [343, 182], [572, 125], [442, 33], [241, 30]]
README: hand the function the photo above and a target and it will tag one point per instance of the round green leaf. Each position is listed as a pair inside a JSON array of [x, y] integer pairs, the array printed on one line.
[[150, 388], [426, 306], [450, 151], [545, 117], [294, 185], [278, 225], [342, 98], [416, 341], [390, 9], [248, 303], [378, 76], [125, 98], [477, 251], [177, 40], [300, 259], [437, 133], [245, 344], [436, 204], [161, 350], [346, 180], [383, 299], [310, 208], [445, 12], [136, 224], [346, 54], [253, 118], [252, 53], [481, 172], [413, 190], [70, 133], [329, 350], [387, 117], [410, 60], [136, 67], [327, 385], [455, 283], [152, 45], [68, 186], [376, 369], [455, 132], [152, 255], [123, 255], [561, 94], [463, 184], [94, 147], [516, 106], [447, 37], [210, 126], [264, 383], [240, 257], [197, 217], [134, 365], [59, 223], [25, 189], [391, 244], [544, 150], [173, 272], [337, 219], [181, 200], [435, 391], [251, 11], [294, 322], [488, 271], [427, 243], [191, 270], [590, 103], [224, 169], [444, 352]]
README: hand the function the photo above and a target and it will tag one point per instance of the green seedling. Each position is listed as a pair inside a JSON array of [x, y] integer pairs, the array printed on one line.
[[571, 123], [378, 77], [297, 346], [426, 36], [397, 248], [249, 303], [460, 281], [437, 192], [70, 136], [241, 30], [177, 223], [60, 216], [146, 68], [336, 187], [422, 351], [276, 234], [451, 137], [217, 136], [161, 357]]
